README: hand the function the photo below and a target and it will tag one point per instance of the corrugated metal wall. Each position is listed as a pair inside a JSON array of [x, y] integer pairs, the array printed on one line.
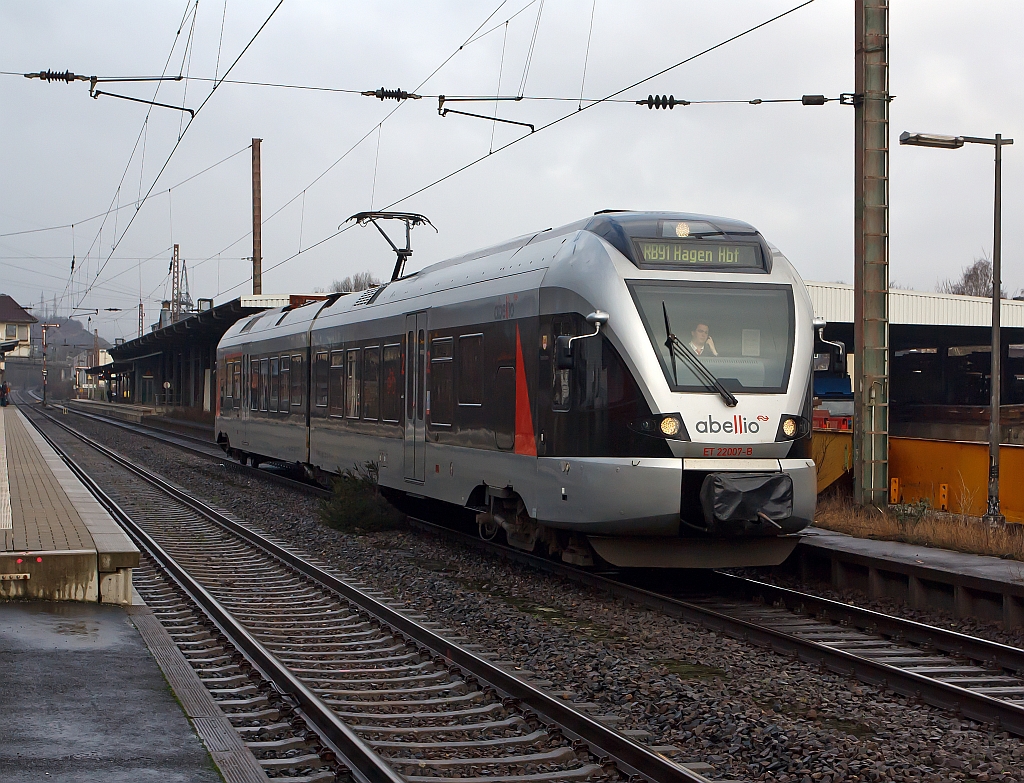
[[834, 303]]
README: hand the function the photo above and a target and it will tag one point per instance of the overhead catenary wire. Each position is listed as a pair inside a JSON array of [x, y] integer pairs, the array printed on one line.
[[606, 99], [177, 144], [529, 53], [586, 57], [135, 147], [366, 135], [220, 43], [126, 206], [497, 91]]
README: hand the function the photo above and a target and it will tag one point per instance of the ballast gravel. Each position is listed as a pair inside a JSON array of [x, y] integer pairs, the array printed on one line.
[[747, 712]]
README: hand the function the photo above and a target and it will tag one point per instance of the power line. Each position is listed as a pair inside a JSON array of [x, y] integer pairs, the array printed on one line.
[[615, 94], [176, 145], [606, 99], [363, 138], [125, 206], [131, 157]]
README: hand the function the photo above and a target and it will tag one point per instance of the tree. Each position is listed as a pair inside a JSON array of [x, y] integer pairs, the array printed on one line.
[[976, 280], [360, 281]]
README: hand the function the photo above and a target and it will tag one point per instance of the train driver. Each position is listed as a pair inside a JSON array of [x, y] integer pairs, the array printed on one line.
[[700, 340]]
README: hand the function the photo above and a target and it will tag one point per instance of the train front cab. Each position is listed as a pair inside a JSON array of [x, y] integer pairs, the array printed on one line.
[[724, 483]]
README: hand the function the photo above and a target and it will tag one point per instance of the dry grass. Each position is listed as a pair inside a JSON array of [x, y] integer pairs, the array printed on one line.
[[915, 524]]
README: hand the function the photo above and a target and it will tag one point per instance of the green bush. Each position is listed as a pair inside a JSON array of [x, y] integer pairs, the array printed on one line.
[[356, 504]]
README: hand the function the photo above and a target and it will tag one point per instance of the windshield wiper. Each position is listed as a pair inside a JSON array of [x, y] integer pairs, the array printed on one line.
[[677, 347]]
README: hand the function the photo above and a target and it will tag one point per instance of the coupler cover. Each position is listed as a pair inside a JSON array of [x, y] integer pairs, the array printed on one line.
[[746, 503]]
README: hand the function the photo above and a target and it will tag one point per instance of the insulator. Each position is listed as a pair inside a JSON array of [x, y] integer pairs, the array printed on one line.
[[56, 76], [398, 95], [662, 102], [813, 100]]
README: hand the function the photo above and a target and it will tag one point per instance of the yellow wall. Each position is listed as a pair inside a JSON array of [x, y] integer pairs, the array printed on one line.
[[922, 465]]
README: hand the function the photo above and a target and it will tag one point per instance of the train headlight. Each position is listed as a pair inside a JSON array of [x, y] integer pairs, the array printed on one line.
[[792, 427], [667, 425]]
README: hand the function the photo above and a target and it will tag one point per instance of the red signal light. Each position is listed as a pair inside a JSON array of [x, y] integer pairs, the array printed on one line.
[[39, 559]]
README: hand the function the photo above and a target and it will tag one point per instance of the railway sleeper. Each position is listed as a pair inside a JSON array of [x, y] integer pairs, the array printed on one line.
[[584, 772], [533, 738]]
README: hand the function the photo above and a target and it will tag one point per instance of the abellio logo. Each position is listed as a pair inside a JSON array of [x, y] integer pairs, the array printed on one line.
[[738, 425]]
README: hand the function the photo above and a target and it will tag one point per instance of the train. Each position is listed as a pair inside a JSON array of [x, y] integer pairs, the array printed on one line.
[[633, 389]]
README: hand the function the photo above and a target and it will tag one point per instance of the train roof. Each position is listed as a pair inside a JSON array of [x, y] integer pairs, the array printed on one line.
[[614, 225], [617, 227]]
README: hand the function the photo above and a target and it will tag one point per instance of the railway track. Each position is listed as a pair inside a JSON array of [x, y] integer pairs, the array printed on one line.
[[289, 647], [976, 678], [202, 448]]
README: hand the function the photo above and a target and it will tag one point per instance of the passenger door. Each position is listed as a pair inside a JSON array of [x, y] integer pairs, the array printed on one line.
[[415, 395], [243, 411]]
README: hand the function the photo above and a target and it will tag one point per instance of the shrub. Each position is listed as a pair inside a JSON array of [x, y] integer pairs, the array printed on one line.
[[356, 504]]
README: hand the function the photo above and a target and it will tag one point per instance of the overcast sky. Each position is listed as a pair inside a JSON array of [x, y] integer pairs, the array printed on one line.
[[787, 169]]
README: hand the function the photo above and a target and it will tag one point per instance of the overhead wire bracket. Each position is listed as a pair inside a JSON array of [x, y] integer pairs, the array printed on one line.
[[441, 100], [68, 77], [411, 219]]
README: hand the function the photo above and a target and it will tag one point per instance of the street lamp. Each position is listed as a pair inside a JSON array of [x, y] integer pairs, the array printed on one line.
[[44, 327], [992, 515]]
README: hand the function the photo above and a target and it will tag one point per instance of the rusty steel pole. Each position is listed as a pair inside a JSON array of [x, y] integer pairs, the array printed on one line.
[[871, 254], [257, 220], [992, 514]]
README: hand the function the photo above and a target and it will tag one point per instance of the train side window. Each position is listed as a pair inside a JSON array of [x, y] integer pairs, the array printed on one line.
[[224, 382], [410, 403], [371, 383], [320, 379], [286, 371], [253, 366], [505, 408], [561, 380], [391, 383], [421, 360], [264, 383], [275, 382], [298, 379], [236, 383], [471, 370], [441, 381], [352, 390], [337, 383]]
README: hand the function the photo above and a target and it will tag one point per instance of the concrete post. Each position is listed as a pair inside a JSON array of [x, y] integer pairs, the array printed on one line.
[[871, 254]]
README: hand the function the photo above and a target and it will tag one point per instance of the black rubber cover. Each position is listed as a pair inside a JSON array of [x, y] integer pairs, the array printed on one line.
[[733, 501]]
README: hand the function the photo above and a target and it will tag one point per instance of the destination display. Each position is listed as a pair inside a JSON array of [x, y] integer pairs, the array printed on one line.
[[705, 253]]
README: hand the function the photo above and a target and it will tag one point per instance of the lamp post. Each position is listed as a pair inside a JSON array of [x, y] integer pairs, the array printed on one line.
[[44, 327], [992, 514]]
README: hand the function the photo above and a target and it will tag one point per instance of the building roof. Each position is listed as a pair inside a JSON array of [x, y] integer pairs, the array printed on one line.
[[205, 326], [13, 313], [834, 302]]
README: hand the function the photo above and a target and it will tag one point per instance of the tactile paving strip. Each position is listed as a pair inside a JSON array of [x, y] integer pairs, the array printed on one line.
[[233, 758], [5, 485]]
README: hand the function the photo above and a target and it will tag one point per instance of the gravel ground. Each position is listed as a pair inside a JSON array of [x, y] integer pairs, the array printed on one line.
[[751, 714]]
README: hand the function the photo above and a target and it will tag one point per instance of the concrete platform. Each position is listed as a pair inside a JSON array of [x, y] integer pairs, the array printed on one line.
[[84, 700], [56, 541], [116, 410], [967, 585]]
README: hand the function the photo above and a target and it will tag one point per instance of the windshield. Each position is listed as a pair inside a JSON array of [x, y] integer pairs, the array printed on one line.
[[743, 334]]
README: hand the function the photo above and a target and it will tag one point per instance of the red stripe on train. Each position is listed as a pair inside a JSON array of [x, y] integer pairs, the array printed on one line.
[[526, 440]]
